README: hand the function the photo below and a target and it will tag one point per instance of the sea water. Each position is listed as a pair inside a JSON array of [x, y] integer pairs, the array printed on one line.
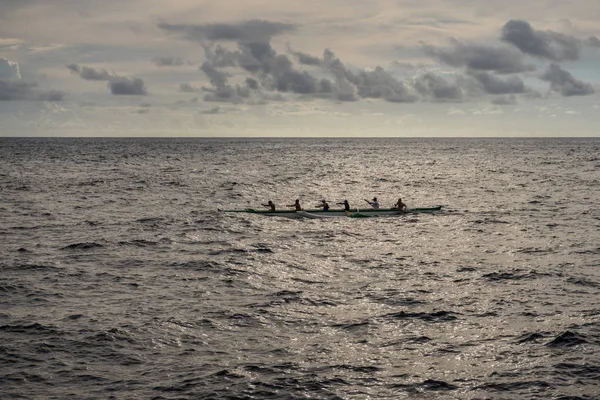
[[120, 279]]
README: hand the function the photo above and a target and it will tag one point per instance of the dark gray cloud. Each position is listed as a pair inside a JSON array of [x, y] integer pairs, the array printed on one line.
[[227, 94], [376, 84], [270, 72], [168, 61], [12, 90], [245, 31], [550, 45], [90, 74], [494, 85], [297, 82], [502, 60], [118, 85], [563, 82], [221, 90], [127, 86], [217, 77], [220, 57], [187, 88], [304, 58], [275, 73], [437, 88], [252, 83]]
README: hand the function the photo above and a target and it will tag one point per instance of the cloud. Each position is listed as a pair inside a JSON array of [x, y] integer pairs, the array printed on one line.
[[275, 73], [376, 84], [127, 86], [502, 60], [187, 88], [245, 31], [90, 74], [9, 69], [563, 82], [118, 85], [494, 85], [550, 45], [11, 90], [593, 41], [305, 59], [168, 61], [437, 88]]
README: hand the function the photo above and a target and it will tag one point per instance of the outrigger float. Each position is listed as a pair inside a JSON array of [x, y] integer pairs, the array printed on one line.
[[353, 213]]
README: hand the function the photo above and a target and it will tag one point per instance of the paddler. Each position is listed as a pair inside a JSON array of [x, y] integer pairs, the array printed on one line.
[[324, 205], [296, 205], [374, 203], [346, 205], [400, 205], [270, 205]]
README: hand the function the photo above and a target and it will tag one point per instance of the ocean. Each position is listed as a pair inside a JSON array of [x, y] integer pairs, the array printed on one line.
[[120, 279]]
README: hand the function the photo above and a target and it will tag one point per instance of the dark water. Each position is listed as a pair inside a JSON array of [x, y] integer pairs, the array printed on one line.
[[119, 279]]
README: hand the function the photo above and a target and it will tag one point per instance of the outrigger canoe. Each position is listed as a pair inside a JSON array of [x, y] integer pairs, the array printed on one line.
[[353, 213]]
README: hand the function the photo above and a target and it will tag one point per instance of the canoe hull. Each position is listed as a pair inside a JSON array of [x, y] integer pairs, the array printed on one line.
[[354, 213]]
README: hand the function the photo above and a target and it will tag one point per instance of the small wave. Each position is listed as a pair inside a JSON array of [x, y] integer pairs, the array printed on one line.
[[579, 370], [29, 267], [513, 386], [437, 316], [530, 337], [31, 329], [534, 250], [112, 335], [589, 251], [490, 221], [197, 265], [426, 385], [412, 340], [352, 327], [22, 377], [308, 282], [430, 384], [82, 246], [138, 243], [567, 339], [355, 368], [149, 220], [583, 282], [516, 276]]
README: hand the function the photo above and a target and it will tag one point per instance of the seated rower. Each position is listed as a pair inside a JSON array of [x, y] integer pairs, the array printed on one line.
[[324, 206], [346, 205], [270, 205], [296, 205], [400, 205], [374, 203]]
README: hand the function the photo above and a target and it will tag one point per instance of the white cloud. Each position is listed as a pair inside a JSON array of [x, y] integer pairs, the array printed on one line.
[[9, 69]]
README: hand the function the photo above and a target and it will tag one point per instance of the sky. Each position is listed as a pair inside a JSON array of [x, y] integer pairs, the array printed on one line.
[[278, 68]]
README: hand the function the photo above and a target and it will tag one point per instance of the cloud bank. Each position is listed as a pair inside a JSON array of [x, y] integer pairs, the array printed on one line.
[[243, 67]]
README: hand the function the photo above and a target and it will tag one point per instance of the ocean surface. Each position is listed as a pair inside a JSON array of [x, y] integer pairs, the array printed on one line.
[[119, 279]]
